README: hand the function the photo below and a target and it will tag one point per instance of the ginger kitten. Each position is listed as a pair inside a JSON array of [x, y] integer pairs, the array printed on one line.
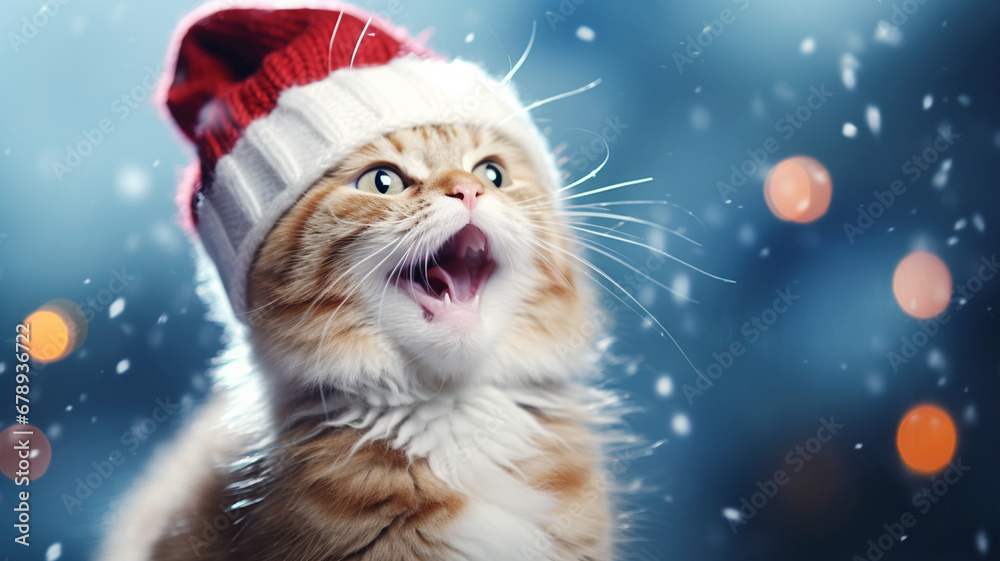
[[414, 382]]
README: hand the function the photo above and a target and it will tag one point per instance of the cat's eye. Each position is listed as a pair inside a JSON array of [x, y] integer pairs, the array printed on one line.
[[384, 180], [492, 172]]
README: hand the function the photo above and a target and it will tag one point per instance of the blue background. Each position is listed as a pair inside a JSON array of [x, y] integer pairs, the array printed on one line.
[[64, 237]]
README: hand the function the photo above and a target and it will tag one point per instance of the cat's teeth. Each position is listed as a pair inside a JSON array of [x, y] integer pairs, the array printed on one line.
[[475, 301], [447, 299]]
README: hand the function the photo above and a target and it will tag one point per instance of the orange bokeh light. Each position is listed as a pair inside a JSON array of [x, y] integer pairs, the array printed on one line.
[[56, 329], [926, 439], [49, 336], [798, 189], [922, 285]]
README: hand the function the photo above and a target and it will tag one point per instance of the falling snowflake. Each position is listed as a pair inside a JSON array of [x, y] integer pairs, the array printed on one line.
[[664, 386], [470, 37], [848, 68], [970, 414], [133, 183], [808, 46], [874, 119], [116, 308], [935, 359], [850, 130], [964, 100], [53, 552], [928, 101], [681, 424], [585, 33], [858, 446], [960, 224], [700, 119], [978, 222], [940, 179], [123, 366], [888, 33], [730, 513], [982, 543]]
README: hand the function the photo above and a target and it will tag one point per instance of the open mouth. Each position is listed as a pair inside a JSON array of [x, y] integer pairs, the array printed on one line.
[[448, 285]]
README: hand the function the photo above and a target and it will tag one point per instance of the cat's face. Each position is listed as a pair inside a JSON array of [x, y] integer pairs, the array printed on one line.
[[431, 257]]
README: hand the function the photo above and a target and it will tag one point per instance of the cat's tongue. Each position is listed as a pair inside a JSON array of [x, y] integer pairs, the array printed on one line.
[[462, 267], [464, 261]]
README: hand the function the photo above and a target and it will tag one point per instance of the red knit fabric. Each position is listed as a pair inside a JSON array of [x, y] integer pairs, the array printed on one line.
[[233, 64]]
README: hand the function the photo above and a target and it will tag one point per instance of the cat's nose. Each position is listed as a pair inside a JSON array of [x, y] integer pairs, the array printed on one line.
[[467, 192]]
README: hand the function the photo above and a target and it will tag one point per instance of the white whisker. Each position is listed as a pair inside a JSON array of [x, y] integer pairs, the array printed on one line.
[[548, 100], [607, 252], [595, 171], [667, 255], [333, 285], [329, 50], [663, 331], [644, 203], [531, 41], [360, 37], [633, 220], [608, 188], [326, 326]]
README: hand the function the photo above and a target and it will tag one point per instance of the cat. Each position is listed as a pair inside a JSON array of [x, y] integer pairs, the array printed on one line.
[[409, 318], [412, 369]]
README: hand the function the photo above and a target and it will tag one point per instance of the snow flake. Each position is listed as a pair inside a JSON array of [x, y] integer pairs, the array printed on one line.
[[585, 33], [116, 308], [888, 33], [664, 386], [940, 179], [848, 66], [808, 46], [681, 424], [874, 119]]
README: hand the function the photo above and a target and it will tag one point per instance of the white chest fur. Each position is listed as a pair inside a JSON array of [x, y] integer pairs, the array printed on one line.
[[474, 442]]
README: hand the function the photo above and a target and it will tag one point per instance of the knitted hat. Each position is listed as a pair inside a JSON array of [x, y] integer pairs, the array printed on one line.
[[273, 98]]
